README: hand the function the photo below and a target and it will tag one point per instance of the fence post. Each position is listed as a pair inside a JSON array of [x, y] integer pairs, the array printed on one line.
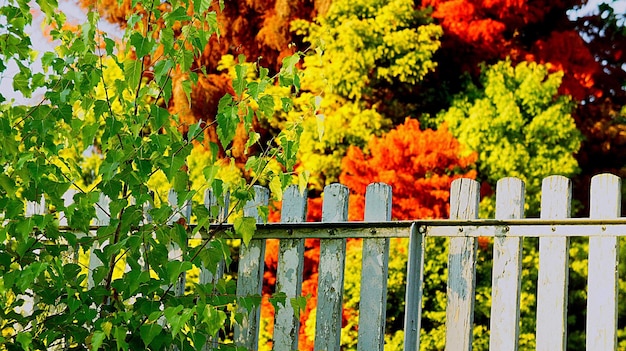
[[289, 271], [556, 195], [464, 197], [250, 278], [414, 290], [603, 262], [331, 272], [374, 274], [507, 269]]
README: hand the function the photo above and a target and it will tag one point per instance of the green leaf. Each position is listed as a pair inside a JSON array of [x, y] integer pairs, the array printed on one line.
[[143, 46], [97, 339], [299, 304], [278, 300], [132, 72], [21, 83], [227, 120], [149, 331], [286, 103], [210, 172], [245, 228], [8, 184], [214, 319], [25, 339], [239, 83], [120, 337], [176, 320], [160, 116], [201, 5], [175, 268], [186, 85], [179, 14], [266, 105]]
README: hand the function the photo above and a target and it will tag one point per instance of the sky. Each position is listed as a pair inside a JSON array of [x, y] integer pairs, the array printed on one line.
[[76, 15], [41, 44]]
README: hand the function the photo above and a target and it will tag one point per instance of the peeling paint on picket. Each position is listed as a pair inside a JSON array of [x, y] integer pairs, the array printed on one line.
[[289, 271], [331, 272], [507, 269], [375, 267], [464, 197], [250, 276]]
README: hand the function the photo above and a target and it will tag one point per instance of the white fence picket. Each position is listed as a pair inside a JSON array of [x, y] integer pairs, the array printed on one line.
[[103, 218], [603, 263], [553, 268], [464, 197], [289, 271], [375, 267], [250, 278], [331, 272], [507, 269]]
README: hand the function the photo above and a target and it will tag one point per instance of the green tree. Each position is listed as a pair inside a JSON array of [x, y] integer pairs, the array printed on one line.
[[359, 51], [112, 99], [518, 124]]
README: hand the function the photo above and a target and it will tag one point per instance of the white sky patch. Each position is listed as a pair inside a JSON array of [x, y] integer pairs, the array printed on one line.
[[41, 43]]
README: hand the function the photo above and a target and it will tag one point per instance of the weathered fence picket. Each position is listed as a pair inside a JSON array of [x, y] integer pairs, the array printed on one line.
[[507, 269], [289, 271], [604, 227], [603, 260], [331, 272], [250, 277], [464, 197], [553, 268], [375, 266]]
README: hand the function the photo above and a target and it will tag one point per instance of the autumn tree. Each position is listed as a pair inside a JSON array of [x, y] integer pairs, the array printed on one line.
[[588, 47], [419, 164], [518, 124], [359, 50]]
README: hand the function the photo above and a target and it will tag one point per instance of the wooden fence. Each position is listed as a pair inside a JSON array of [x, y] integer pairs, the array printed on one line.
[[553, 228]]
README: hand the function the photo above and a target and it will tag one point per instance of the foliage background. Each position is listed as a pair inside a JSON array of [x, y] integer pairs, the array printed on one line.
[[523, 88]]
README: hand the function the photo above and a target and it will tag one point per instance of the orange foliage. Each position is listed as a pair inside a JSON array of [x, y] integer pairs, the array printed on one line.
[[420, 165]]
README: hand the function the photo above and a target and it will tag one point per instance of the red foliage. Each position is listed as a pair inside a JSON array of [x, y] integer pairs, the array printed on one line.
[[419, 164], [487, 31]]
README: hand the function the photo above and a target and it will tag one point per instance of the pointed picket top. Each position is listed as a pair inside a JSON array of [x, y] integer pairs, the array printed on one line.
[[211, 202], [36, 207], [261, 198], [68, 199]]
